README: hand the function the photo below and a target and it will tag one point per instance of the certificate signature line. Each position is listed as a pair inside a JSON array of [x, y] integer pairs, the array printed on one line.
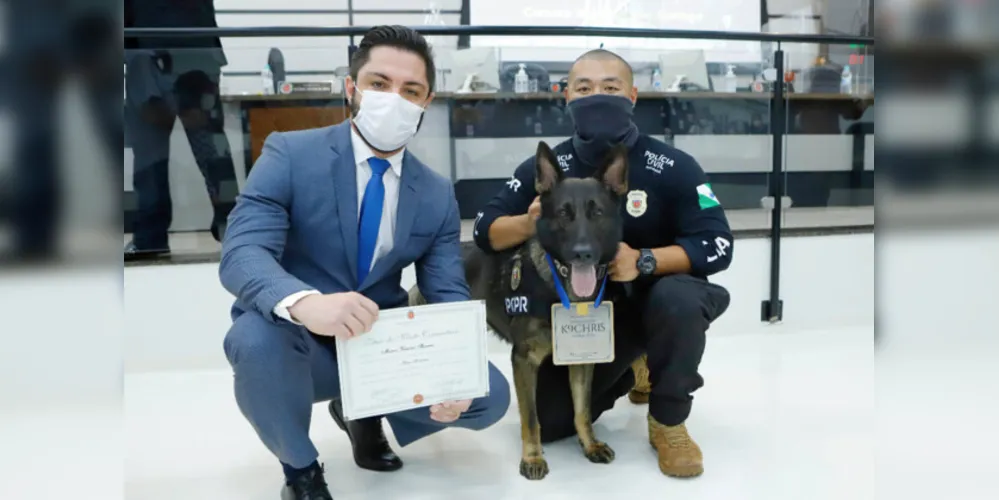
[[392, 353], [446, 369]]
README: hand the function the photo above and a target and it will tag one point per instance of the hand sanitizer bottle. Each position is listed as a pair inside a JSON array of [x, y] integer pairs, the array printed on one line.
[[657, 80], [846, 81], [521, 83], [267, 80], [731, 81]]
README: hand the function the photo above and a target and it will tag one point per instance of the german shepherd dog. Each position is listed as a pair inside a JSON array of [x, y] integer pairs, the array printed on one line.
[[579, 227]]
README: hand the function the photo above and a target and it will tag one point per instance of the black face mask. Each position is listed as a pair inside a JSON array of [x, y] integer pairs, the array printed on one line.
[[600, 122]]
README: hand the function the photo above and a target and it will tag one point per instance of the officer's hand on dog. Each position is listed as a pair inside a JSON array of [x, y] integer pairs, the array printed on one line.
[[624, 267], [534, 211], [449, 411], [342, 315]]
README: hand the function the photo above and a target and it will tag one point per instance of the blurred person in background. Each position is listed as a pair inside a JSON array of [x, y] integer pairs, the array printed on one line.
[[316, 246], [675, 236], [168, 78], [48, 45]]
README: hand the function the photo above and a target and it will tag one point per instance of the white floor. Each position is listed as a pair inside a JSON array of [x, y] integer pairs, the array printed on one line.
[[782, 416]]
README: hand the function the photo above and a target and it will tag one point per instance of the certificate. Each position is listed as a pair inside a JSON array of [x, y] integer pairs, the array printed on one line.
[[413, 357]]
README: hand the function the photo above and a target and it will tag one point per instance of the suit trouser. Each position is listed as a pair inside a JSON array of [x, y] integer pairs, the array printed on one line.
[[667, 318], [281, 371]]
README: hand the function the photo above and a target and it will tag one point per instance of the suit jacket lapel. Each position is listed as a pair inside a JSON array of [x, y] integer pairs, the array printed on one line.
[[345, 188], [404, 218]]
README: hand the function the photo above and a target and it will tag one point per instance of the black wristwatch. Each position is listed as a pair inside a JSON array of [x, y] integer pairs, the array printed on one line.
[[646, 262]]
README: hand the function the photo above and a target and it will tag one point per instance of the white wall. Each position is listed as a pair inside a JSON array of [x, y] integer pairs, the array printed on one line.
[[177, 316], [716, 15]]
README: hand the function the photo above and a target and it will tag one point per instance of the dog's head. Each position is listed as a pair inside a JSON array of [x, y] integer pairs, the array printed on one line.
[[581, 222]]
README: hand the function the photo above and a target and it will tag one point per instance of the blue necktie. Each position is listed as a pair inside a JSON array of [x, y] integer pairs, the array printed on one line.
[[371, 217]]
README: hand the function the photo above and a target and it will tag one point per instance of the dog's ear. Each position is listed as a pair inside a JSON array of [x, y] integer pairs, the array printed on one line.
[[614, 170], [547, 173]]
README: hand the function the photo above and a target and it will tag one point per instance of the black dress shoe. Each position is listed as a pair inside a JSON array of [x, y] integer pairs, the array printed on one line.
[[371, 449], [133, 252], [309, 486]]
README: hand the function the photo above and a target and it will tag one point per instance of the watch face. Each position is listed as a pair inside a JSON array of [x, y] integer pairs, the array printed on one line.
[[646, 264]]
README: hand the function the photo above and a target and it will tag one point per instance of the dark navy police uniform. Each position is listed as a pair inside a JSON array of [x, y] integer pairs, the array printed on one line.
[[669, 202]]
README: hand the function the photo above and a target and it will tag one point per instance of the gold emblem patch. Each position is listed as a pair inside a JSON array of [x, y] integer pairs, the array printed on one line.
[[638, 203], [515, 274]]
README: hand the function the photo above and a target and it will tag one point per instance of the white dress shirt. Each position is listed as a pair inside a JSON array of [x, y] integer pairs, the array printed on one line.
[[386, 230]]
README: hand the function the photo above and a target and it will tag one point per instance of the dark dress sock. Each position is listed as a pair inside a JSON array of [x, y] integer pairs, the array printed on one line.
[[291, 473]]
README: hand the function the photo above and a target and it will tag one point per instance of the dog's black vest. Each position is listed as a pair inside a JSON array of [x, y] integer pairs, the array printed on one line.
[[530, 295]]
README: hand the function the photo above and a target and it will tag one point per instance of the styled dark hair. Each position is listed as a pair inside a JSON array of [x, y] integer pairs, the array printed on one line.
[[399, 37]]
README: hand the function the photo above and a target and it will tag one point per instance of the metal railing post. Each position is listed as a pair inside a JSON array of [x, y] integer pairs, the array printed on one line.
[[773, 307]]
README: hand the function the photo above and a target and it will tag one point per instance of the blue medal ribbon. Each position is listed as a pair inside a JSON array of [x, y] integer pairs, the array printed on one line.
[[563, 296]]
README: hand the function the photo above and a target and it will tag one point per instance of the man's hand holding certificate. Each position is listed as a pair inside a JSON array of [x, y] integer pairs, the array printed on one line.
[[336, 314], [433, 355]]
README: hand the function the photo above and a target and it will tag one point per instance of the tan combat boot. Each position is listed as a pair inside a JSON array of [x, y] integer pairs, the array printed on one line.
[[679, 456], [640, 393]]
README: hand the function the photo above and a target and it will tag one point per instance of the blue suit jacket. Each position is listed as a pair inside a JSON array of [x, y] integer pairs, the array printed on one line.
[[294, 228]]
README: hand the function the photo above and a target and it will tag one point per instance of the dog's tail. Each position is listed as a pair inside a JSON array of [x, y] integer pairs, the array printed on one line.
[[415, 297]]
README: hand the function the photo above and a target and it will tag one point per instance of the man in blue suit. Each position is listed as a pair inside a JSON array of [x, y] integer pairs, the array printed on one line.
[[316, 246]]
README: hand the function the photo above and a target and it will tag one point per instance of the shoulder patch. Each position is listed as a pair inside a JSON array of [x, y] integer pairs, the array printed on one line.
[[706, 196], [656, 162]]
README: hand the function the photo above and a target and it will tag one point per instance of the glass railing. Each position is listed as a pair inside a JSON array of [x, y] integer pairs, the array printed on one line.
[[200, 102]]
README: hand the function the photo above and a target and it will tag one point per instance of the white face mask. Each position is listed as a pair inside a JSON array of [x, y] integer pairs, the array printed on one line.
[[386, 120]]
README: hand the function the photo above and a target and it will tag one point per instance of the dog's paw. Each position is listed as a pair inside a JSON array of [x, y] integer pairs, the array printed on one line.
[[638, 398], [599, 453], [534, 468]]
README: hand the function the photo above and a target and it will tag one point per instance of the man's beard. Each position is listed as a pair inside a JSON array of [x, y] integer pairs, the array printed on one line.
[[354, 107]]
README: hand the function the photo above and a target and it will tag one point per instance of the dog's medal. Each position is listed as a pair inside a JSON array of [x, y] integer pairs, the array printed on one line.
[[582, 332]]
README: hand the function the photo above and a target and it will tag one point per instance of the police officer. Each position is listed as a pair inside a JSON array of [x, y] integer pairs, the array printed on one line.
[[675, 236]]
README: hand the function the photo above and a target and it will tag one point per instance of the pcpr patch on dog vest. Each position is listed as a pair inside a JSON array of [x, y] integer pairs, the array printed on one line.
[[527, 292]]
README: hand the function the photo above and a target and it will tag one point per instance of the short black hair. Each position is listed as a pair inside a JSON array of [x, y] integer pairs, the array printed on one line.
[[399, 37], [606, 55]]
